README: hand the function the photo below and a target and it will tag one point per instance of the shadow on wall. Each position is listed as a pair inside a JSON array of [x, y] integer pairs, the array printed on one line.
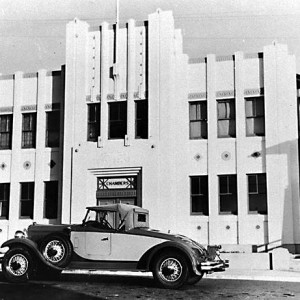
[[291, 205]]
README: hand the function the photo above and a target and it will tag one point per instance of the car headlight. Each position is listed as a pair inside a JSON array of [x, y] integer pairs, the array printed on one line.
[[19, 234]]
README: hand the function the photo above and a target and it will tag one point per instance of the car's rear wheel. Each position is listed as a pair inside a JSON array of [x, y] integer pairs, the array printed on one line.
[[57, 250], [17, 265], [170, 270]]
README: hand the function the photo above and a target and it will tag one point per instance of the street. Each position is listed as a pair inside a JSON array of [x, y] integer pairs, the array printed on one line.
[[90, 287]]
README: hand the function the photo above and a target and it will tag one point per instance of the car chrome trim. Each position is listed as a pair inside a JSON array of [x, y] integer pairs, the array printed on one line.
[[4, 250]]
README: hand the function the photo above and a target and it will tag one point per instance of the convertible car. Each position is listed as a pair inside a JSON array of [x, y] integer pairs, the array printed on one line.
[[110, 237]]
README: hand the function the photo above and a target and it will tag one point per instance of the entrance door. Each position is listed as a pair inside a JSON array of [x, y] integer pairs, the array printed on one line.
[[120, 189]]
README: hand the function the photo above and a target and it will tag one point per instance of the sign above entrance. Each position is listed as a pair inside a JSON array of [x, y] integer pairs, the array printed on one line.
[[116, 183]]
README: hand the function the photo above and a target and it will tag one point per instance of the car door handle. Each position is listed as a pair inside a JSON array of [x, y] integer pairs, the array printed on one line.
[[104, 239]]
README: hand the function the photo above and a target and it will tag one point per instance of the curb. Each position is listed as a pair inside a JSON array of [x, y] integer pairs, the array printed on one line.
[[283, 276]]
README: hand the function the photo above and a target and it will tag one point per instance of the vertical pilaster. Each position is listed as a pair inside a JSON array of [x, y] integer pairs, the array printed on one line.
[[280, 125], [131, 80], [75, 125], [104, 81], [212, 136], [61, 145], [154, 77], [40, 147], [14, 205], [240, 144]]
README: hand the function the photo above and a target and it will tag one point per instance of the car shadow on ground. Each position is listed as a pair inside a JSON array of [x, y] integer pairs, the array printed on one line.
[[112, 279], [34, 290]]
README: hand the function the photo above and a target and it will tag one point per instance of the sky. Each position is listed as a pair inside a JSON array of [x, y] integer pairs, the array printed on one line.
[[32, 32]]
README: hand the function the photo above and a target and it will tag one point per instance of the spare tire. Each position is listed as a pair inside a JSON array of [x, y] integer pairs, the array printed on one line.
[[57, 250]]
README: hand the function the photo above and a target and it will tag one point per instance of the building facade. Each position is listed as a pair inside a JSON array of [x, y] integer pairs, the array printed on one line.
[[208, 145]]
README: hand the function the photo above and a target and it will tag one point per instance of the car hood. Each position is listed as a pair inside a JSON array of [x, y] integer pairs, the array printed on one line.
[[167, 236]]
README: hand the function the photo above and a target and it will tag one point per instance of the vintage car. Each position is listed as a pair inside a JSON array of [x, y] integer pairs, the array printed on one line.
[[110, 237]]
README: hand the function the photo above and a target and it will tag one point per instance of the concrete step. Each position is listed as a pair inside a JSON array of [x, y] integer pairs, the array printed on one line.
[[295, 263]]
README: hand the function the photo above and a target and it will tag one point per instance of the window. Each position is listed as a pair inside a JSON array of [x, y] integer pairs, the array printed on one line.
[[255, 116], [257, 193], [52, 128], [141, 119], [199, 195], [5, 131], [51, 199], [228, 194], [198, 120], [226, 118], [4, 200], [117, 120], [27, 197], [28, 130], [93, 122]]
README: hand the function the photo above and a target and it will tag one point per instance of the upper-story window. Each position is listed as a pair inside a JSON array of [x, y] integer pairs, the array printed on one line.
[[52, 128], [117, 120], [141, 119], [29, 130], [228, 194], [255, 116], [198, 120], [226, 118], [5, 131], [93, 122]]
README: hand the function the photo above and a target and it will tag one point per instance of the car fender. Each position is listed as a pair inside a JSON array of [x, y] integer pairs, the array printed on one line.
[[32, 247], [145, 261]]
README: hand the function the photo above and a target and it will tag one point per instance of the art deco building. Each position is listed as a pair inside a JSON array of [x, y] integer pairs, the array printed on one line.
[[209, 145]]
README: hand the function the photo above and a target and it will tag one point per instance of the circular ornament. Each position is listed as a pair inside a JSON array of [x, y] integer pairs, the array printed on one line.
[[197, 157], [27, 165], [226, 155]]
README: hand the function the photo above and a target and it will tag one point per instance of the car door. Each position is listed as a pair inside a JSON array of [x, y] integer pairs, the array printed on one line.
[[92, 243]]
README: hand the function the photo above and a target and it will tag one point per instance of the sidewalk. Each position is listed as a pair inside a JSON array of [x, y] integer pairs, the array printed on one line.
[[262, 275], [235, 274]]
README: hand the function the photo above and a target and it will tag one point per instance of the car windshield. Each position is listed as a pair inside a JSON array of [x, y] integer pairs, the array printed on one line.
[[101, 219]]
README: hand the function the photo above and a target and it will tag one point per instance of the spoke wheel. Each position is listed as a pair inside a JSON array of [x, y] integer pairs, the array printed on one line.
[[57, 250], [17, 265], [54, 251], [170, 270]]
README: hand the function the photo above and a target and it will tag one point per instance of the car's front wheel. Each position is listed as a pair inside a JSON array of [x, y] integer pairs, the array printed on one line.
[[170, 270], [17, 265]]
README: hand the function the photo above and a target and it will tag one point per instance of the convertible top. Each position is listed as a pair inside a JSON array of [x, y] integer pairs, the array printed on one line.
[[122, 208]]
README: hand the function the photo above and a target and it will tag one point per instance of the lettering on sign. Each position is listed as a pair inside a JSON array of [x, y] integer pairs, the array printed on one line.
[[200, 95], [116, 183], [6, 109], [28, 107]]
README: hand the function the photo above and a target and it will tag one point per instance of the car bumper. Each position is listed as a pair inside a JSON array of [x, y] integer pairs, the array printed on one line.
[[214, 266], [3, 250]]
